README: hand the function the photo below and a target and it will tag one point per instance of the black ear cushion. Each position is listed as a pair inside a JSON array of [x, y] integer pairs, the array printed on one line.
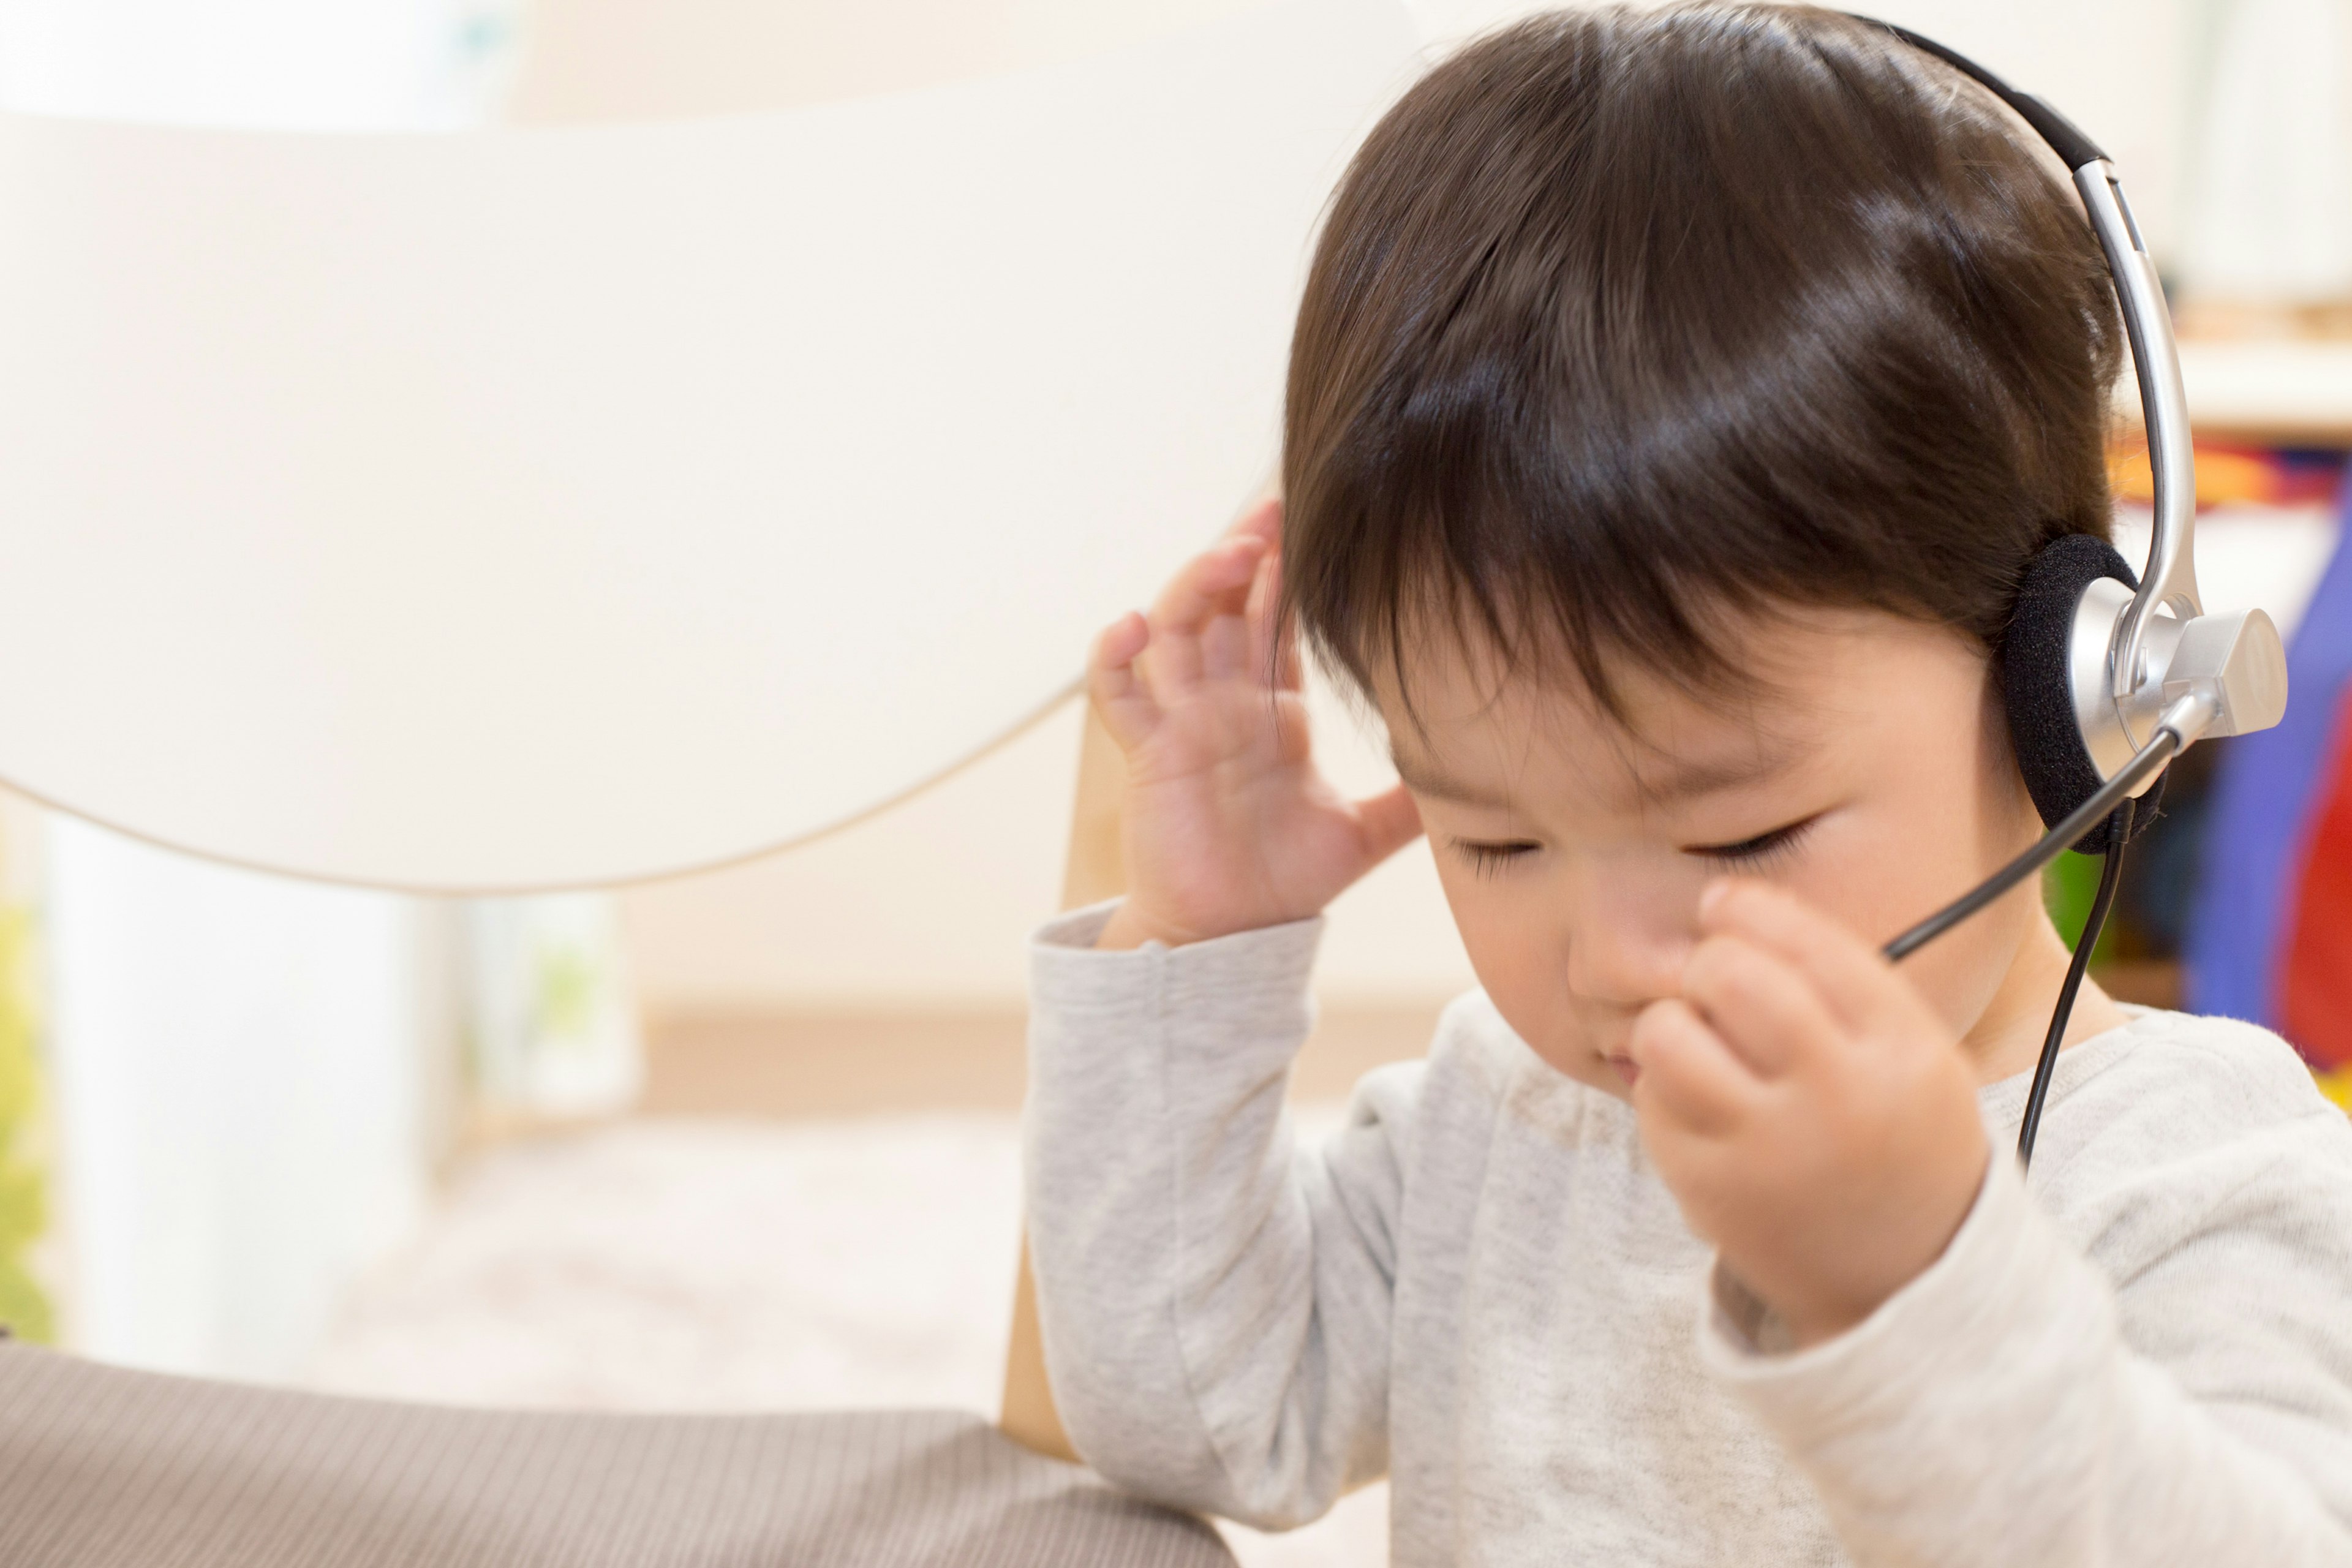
[[2035, 687]]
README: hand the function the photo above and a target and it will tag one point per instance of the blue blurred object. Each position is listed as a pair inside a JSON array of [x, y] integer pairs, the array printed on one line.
[[2265, 793]]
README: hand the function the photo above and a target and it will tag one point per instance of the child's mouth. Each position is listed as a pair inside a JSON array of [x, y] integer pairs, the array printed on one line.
[[1626, 1069]]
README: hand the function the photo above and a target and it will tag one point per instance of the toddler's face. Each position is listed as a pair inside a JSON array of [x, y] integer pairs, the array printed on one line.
[[1868, 771]]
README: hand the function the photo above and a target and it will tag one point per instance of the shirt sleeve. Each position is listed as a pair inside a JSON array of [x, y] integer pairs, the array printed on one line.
[[1993, 1410], [1214, 1300]]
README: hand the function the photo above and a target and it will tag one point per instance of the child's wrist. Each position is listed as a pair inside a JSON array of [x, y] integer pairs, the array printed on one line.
[[1132, 924], [1128, 929], [1875, 1268]]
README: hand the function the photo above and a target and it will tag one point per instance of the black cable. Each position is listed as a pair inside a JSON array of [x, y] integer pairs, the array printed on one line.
[[2144, 766], [2110, 873]]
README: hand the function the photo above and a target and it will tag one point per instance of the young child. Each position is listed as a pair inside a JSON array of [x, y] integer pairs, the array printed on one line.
[[1677, 400]]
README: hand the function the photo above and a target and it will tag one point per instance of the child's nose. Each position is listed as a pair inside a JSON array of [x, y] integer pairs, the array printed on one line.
[[1620, 960]]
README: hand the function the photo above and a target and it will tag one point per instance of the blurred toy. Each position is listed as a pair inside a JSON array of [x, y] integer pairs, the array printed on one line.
[[2270, 930], [2237, 476]]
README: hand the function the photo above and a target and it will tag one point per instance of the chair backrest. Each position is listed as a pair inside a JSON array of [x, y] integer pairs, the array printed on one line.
[[624, 504]]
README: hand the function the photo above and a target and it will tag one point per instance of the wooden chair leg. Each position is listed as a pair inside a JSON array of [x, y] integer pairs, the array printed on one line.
[[1029, 1417], [1096, 869], [1094, 872]]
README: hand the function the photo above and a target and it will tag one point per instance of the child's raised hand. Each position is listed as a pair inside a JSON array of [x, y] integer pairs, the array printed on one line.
[[1227, 825], [1815, 1118]]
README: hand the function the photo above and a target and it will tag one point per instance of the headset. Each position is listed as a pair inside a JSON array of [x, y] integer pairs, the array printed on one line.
[[2106, 678]]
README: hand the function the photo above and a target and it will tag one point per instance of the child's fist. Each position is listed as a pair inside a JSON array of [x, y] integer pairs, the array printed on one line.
[[1815, 1118]]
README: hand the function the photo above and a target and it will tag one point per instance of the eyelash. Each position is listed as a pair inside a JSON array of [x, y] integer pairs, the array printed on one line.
[[1758, 853], [1490, 859]]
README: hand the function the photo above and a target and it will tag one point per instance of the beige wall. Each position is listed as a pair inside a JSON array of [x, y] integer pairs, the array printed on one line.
[[2124, 68], [592, 59]]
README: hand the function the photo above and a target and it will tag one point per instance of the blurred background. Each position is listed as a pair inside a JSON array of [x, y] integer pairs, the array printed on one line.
[[747, 1138]]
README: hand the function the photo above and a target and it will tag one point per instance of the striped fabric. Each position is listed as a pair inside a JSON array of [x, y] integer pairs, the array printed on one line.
[[102, 1468]]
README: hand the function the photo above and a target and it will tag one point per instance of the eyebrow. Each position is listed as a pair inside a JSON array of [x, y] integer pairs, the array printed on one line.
[[1684, 780], [1690, 781], [1437, 784]]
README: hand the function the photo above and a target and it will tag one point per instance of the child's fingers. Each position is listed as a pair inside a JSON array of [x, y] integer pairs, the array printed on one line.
[[1214, 582], [1858, 985], [1225, 648], [1262, 523], [1115, 688], [1758, 1002], [1687, 1072], [1390, 820]]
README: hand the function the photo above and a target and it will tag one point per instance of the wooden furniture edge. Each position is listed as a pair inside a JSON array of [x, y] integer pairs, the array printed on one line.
[[1092, 873]]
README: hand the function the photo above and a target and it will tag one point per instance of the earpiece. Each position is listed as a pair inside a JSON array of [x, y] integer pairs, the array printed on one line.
[[2038, 674], [2106, 679]]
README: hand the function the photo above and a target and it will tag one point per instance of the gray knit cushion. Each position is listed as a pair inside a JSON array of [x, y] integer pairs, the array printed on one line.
[[102, 1468]]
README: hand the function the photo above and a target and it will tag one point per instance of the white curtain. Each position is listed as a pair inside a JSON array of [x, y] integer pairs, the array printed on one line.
[[239, 1074]]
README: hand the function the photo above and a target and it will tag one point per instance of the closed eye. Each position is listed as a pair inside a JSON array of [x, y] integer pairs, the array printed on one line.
[[1489, 860], [1756, 853]]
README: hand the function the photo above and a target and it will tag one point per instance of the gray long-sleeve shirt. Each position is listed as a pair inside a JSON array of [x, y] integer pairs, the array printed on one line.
[[1481, 1289]]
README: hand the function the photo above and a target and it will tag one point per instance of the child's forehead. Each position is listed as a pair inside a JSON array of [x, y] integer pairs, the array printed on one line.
[[1467, 739], [1635, 773], [1442, 688], [1468, 721]]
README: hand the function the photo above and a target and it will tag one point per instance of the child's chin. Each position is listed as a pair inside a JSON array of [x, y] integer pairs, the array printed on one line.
[[1611, 1074]]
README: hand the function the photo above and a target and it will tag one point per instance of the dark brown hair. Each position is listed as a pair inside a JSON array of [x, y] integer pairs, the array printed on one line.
[[1624, 320]]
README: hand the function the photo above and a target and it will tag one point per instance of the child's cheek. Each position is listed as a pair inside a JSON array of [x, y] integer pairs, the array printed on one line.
[[1877, 883], [1522, 962]]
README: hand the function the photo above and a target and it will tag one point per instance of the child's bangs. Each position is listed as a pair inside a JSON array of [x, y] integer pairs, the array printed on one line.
[[1498, 578]]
